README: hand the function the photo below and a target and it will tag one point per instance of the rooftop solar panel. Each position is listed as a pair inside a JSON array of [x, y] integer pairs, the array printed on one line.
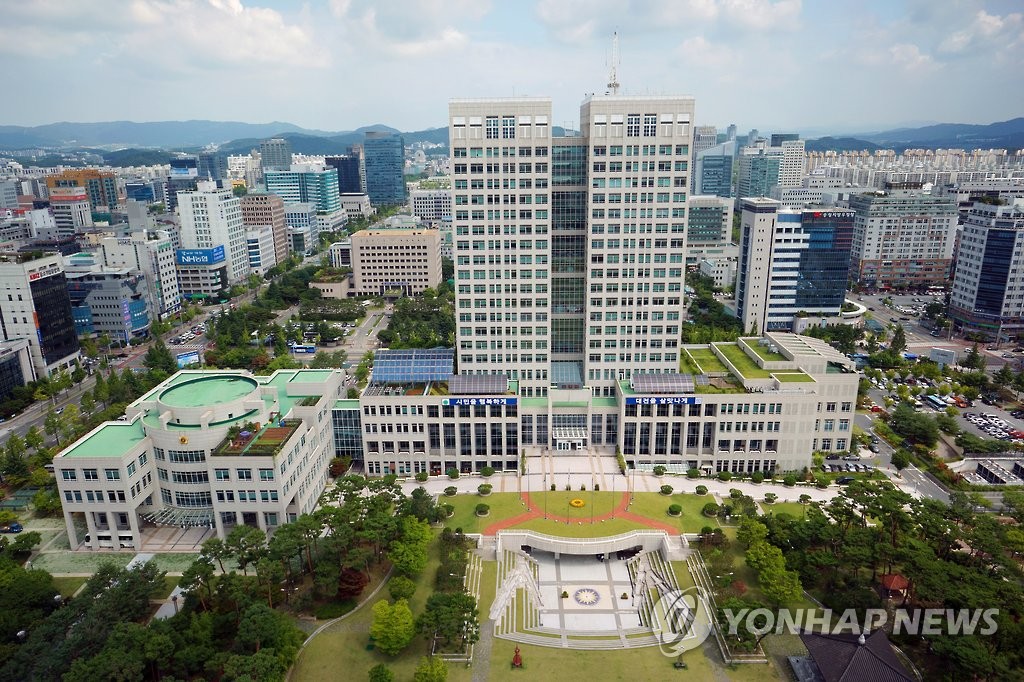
[[473, 384], [663, 383], [412, 365]]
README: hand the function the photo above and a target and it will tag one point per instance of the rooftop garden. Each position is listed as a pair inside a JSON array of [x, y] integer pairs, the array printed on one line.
[[793, 377], [257, 440], [706, 360], [742, 362], [727, 385], [765, 354], [309, 401]]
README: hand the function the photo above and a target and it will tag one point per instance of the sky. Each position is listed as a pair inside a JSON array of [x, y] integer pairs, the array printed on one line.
[[810, 66]]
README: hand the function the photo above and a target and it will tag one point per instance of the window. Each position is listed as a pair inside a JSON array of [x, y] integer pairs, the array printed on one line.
[[244, 474], [222, 474], [90, 474], [68, 474], [266, 474], [633, 125], [131, 469], [112, 474]]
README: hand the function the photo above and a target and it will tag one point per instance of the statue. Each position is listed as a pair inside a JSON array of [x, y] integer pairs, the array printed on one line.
[[517, 659]]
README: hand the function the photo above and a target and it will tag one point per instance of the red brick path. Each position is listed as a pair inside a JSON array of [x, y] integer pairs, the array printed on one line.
[[536, 513]]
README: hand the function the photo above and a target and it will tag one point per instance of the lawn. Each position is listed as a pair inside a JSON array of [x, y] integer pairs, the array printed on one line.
[[655, 506], [170, 582], [792, 508], [792, 377], [742, 362], [707, 360], [764, 353], [503, 506], [340, 651], [68, 586]]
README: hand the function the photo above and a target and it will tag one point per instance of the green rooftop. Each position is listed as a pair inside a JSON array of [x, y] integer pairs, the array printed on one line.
[[112, 439], [742, 362], [706, 360], [315, 376], [346, 404], [763, 351], [603, 401], [204, 391], [789, 377]]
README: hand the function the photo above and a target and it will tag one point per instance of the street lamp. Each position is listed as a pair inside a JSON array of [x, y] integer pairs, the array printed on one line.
[[174, 599]]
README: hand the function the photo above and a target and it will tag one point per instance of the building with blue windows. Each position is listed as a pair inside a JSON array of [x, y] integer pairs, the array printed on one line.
[[793, 265], [306, 182], [384, 156], [712, 170], [110, 301]]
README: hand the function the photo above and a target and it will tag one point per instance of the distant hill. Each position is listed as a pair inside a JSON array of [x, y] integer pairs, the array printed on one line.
[[136, 157], [839, 144], [1003, 134]]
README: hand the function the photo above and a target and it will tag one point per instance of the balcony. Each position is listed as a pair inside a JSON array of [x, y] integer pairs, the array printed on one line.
[[259, 440]]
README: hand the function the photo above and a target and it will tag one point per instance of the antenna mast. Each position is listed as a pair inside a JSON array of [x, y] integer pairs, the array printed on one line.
[[613, 78]]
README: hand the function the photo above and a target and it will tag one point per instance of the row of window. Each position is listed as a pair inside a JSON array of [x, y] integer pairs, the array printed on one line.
[[247, 496]]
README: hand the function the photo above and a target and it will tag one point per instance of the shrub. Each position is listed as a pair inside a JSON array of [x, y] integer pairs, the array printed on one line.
[[666, 490], [625, 595], [487, 471], [757, 477], [552, 487], [484, 488], [789, 481], [448, 510], [710, 509], [450, 491], [568, 487], [565, 594], [621, 461], [707, 530], [675, 509], [422, 476], [701, 490], [659, 470], [724, 476], [821, 482], [401, 587], [482, 510], [770, 498], [735, 493], [597, 487], [381, 673], [453, 473], [693, 473]]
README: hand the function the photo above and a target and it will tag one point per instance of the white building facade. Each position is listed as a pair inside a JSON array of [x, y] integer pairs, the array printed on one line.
[[212, 217]]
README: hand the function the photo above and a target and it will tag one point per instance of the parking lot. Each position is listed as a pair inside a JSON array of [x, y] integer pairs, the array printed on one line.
[[991, 424]]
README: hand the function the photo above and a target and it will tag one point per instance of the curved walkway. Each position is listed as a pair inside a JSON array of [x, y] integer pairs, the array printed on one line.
[[535, 513]]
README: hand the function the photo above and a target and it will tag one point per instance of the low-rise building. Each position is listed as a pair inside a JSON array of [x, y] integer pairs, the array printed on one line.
[[206, 450], [110, 301]]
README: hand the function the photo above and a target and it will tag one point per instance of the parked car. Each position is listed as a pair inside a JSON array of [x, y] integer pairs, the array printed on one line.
[[845, 480], [13, 527]]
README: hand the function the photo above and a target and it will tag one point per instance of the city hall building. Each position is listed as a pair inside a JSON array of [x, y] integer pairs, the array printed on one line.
[[758, 404]]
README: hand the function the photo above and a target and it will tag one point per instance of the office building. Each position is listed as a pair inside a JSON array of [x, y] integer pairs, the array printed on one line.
[[71, 212], [275, 154], [203, 450], [211, 218], [988, 266], [212, 166], [712, 171], [152, 253], [36, 307], [708, 225], [308, 182], [140, 190], [110, 301], [762, 167], [303, 230], [704, 138], [730, 132], [722, 271], [902, 239], [432, 205], [777, 139], [15, 367], [340, 254], [9, 191], [260, 245], [183, 177], [792, 263], [349, 174], [356, 206], [100, 186], [384, 156], [397, 262], [267, 210], [757, 404]]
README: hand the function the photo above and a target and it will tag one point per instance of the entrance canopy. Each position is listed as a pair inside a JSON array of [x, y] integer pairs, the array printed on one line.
[[569, 432], [172, 516]]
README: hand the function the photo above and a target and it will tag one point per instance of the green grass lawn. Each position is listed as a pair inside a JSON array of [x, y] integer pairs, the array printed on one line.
[[503, 506], [170, 582], [68, 586], [793, 377], [655, 506], [764, 353], [707, 360], [792, 508], [742, 362]]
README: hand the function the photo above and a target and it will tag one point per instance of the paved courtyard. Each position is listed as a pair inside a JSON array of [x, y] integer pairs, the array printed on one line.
[[595, 589]]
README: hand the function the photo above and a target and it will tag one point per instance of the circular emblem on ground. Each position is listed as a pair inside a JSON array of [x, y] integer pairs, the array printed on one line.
[[586, 596], [576, 502]]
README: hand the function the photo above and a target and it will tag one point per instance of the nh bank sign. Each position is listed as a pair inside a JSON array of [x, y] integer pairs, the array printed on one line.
[[201, 256]]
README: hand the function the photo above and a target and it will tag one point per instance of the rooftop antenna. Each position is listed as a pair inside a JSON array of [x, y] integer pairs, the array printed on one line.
[[613, 77]]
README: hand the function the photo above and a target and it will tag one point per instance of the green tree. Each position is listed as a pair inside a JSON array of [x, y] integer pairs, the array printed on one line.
[[751, 531], [88, 403], [247, 545], [974, 359], [34, 439], [900, 461], [431, 669], [1003, 377], [409, 552], [401, 587], [381, 673], [451, 615], [899, 340], [393, 626], [159, 358]]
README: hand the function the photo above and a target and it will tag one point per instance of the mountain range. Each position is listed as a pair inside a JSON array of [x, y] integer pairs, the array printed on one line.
[[129, 143]]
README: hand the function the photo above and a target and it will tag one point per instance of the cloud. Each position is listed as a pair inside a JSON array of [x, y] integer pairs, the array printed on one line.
[[986, 31], [909, 57], [407, 29], [699, 53]]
